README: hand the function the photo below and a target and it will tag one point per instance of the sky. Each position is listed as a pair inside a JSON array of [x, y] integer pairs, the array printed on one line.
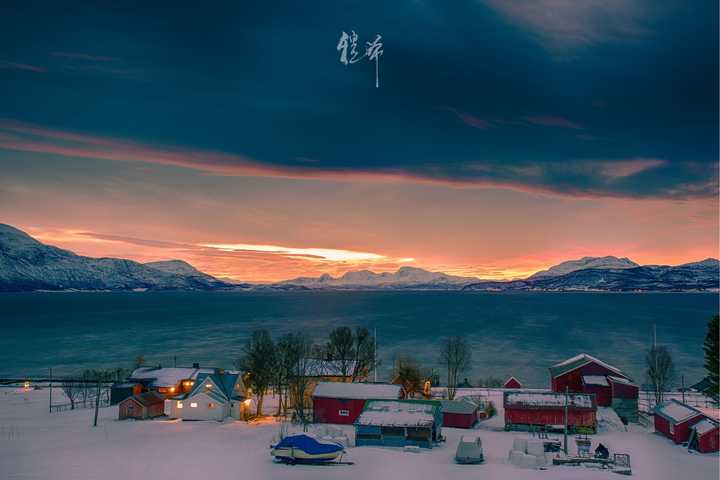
[[505, 135]]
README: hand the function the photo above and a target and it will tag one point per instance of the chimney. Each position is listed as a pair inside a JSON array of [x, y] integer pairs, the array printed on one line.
[[196, 365]]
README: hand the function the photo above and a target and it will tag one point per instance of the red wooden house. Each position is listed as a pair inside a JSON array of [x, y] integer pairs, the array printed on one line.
[[674, 420], [459, 413], [525, 409], [142, 406], [611, 387], [512, 382], [340, 402], [705, 436]]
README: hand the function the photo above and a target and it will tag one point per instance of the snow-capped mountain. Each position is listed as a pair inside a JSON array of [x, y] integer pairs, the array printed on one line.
[[26, 265], [405, 277], [601, 263]]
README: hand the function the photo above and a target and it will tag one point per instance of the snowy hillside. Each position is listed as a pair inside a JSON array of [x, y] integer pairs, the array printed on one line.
[[26, 265], [405, 277], [608, 262]]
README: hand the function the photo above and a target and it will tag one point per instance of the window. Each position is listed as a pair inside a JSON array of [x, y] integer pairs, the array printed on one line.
[[211, 405], [418, 434], [179, 404], [393, 431], [193, 405], [344, 413]]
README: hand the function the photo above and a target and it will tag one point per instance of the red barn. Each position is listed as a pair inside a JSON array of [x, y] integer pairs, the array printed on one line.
[[340, 402], [512, 382], [600, 386], [570, 373], [142, 406], [524, 409], [459, 413], [705, 436], [674, 420]]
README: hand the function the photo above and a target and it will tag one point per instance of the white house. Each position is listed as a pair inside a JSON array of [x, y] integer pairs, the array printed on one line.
[[215, 396]]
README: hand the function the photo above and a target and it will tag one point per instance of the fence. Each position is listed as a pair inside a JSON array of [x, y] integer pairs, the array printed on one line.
[[646, 402]]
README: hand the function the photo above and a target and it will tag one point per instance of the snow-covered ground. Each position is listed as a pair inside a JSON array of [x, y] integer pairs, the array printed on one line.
[[37, 445]]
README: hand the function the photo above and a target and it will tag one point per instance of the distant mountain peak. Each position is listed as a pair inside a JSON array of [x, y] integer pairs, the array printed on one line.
[[607, 262], [404, 277]]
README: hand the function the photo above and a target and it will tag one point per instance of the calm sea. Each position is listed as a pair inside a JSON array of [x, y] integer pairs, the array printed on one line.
[[517, 334]]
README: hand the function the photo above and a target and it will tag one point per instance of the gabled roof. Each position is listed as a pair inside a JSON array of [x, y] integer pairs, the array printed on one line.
[[166, 377], [676, 412], [147, 399], [357, 391], [222, 386], [512, 377], [578, 361], [623, 380]]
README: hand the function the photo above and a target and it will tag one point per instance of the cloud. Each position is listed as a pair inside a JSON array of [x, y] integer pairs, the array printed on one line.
[[471, 120], [85, 56], [23, 66], [551, 121], [560, 24], [581, 178]]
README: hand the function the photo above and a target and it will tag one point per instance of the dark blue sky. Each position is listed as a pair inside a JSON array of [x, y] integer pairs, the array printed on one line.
[[471, 91]]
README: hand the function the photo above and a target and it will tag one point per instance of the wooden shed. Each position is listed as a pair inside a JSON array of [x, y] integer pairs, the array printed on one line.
[[532, 408], [339, 402], [570, 372], [705, 436], [459, 413], [399, 423], [512, 382], [142, 406], [674, 419]]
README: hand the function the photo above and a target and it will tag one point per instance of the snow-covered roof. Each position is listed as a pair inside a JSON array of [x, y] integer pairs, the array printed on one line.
[[167, 377], [578, 361], [460, 405], [598, 380], [676, 412], [397, 414], [710, 412], [358, 391], [547, 399], [622, 380], [704, 426]]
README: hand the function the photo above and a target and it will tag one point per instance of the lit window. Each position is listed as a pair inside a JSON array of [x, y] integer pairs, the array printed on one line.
[[211, 405], [344, 413], [193, 405], [208, 385], [172, 389], [179, 405]]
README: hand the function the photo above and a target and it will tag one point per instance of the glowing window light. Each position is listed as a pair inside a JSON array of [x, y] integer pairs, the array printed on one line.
[[172, 389], [208, 385], [179, 404], [193, 405], [247, 402], [26, 385]]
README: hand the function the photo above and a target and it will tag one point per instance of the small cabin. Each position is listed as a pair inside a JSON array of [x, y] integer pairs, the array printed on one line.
[[459, 413], [512, 382], [141, 406], [705, 436], [675, 419], [339, 402], [399, 423]]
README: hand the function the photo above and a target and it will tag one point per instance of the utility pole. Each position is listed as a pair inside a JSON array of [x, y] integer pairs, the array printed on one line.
[[655, 354], [97, 399], [682, 389], [50, 402], [565, 430], [375, 354]]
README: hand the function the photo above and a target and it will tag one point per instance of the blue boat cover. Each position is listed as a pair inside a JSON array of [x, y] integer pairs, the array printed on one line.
[[308, 444]]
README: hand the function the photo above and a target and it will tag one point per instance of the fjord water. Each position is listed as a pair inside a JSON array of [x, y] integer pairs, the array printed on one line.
[[517, 334]]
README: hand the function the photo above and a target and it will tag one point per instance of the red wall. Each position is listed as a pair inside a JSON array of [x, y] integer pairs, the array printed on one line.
[[681, 432], [512, 383], [603, 395], [573, 379], [459, 420], [326, 410], [549, 416], [709, 442]]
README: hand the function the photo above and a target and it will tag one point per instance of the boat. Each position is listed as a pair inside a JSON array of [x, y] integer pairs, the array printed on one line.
[[303, 448]]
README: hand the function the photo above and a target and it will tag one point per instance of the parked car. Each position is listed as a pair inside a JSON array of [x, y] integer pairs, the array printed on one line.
[[469, 450]]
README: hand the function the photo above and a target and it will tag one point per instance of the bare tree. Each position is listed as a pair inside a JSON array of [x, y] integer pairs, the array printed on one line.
[[660, 371], [341, 350], [72, 389], [284, 364], [299, 358], [364, 354], [456, 357]]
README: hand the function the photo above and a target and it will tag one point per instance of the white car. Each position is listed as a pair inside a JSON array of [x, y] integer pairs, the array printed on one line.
[[469, 450]]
